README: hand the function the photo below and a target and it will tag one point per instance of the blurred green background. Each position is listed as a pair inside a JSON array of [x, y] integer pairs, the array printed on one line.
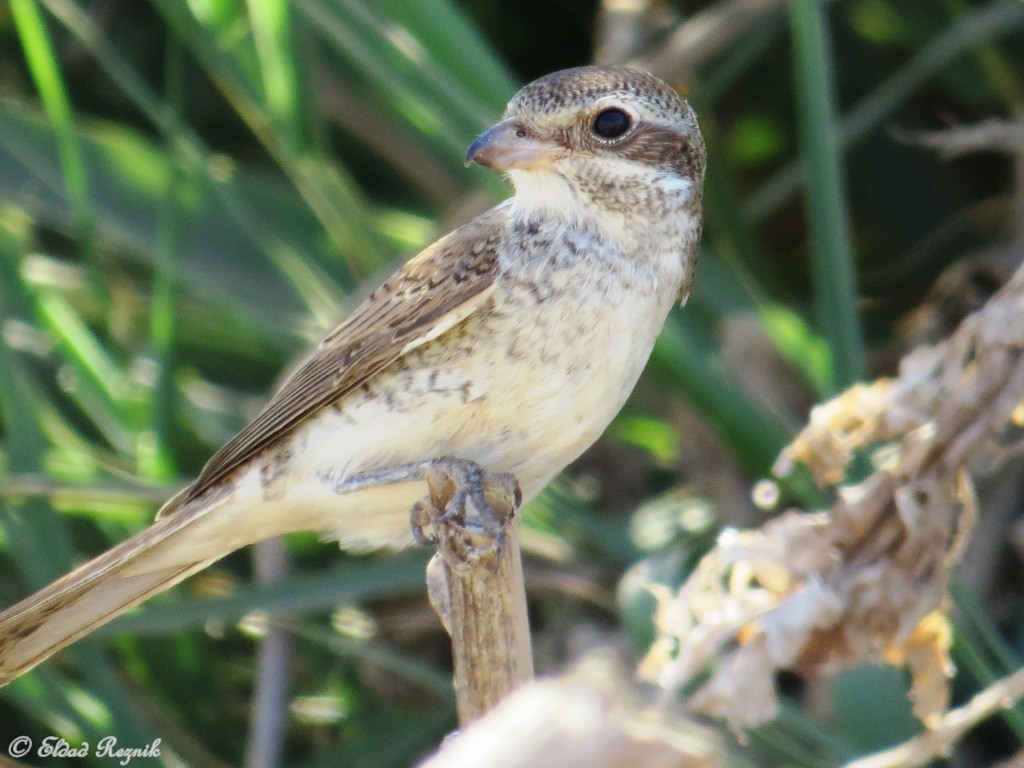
[[191, 193]]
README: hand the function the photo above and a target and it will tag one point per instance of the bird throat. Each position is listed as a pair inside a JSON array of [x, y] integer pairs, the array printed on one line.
[[612, 204]]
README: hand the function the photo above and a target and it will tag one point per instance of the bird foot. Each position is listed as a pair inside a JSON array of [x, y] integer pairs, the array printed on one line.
[[465, 513]]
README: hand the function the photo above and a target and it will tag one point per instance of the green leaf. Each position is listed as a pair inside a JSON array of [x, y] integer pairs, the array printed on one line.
[[835, 286]]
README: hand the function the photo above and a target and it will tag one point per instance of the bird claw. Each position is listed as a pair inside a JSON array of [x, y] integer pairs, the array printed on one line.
[[465, 513]]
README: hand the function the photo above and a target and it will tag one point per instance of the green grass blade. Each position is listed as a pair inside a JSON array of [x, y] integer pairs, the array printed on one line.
[[457, 47], [427, 676], [736, 61], [410, 737], [81, 344], [736, 275], [387, 43], [279, 251], [835, 287], [360, 39], [753, 436], [795, 733], [411, 79], [130, 177], [271, 25], [326, 186], [37, 542], [42, 64], [155, 462], [995, 66], [295, 595]]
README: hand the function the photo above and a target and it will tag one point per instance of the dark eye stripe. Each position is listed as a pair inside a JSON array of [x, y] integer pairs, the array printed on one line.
[[665, 148], [611, 123]]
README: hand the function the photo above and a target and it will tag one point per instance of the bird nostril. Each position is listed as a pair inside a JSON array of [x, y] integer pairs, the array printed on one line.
[[520, 133]]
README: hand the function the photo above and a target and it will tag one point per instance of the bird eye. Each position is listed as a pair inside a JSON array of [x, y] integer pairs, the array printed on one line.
[[611, 123]]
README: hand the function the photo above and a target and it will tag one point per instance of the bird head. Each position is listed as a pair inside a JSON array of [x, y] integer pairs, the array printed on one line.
[[594, 142]]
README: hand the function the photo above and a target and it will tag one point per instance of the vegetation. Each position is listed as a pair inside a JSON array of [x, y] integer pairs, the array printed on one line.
[[192, 193]]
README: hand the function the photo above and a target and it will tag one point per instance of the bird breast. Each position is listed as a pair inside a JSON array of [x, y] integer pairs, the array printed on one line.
[[524, 385], [588, 316]]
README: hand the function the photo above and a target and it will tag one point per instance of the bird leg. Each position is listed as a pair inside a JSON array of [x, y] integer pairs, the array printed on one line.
[[466, 510]]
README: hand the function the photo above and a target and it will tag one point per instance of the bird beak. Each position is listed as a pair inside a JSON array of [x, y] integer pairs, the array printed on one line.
[[508, 145]]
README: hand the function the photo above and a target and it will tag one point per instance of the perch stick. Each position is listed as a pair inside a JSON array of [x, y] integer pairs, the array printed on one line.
[[483, 609], [475, 583]]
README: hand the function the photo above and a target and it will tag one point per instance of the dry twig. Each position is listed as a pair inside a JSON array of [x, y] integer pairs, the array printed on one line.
[[1002, 136], [649, 34], [625, 27], [702, 37], [481, 601]]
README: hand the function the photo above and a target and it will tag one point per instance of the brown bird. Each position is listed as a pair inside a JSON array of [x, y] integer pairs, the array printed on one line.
[[505, 347]]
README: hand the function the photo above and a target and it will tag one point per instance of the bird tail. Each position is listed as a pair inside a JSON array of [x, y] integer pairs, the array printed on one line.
[[156, 559]]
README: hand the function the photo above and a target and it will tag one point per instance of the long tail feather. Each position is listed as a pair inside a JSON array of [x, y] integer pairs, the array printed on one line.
[[156, 559], [187, 537]]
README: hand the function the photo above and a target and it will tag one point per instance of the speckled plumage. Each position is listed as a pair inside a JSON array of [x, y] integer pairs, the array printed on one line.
[[512, 343]]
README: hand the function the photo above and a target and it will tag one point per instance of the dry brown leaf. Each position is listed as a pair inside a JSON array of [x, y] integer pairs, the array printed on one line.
[[863, 582]]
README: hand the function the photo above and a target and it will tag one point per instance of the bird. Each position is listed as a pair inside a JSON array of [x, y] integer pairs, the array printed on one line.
[[503, 349]]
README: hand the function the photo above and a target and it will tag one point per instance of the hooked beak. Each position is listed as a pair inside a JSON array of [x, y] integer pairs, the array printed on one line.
[[508, 145]]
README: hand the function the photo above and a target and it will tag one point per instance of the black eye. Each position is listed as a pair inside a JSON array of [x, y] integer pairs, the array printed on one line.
[[611, 123]]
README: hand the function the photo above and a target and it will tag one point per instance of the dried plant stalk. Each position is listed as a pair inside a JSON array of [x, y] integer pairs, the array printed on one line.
[[477, 590], [649, 34], [484, 612], [707, 34], [866, 580]]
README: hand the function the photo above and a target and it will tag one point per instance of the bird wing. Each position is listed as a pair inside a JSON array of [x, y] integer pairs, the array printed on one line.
[[430, 294]]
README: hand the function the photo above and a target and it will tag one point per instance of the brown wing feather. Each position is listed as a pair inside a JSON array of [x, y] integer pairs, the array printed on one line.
[[432, 292]]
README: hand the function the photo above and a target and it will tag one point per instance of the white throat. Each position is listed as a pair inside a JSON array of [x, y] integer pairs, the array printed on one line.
[[645, 208], [546, 193]]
